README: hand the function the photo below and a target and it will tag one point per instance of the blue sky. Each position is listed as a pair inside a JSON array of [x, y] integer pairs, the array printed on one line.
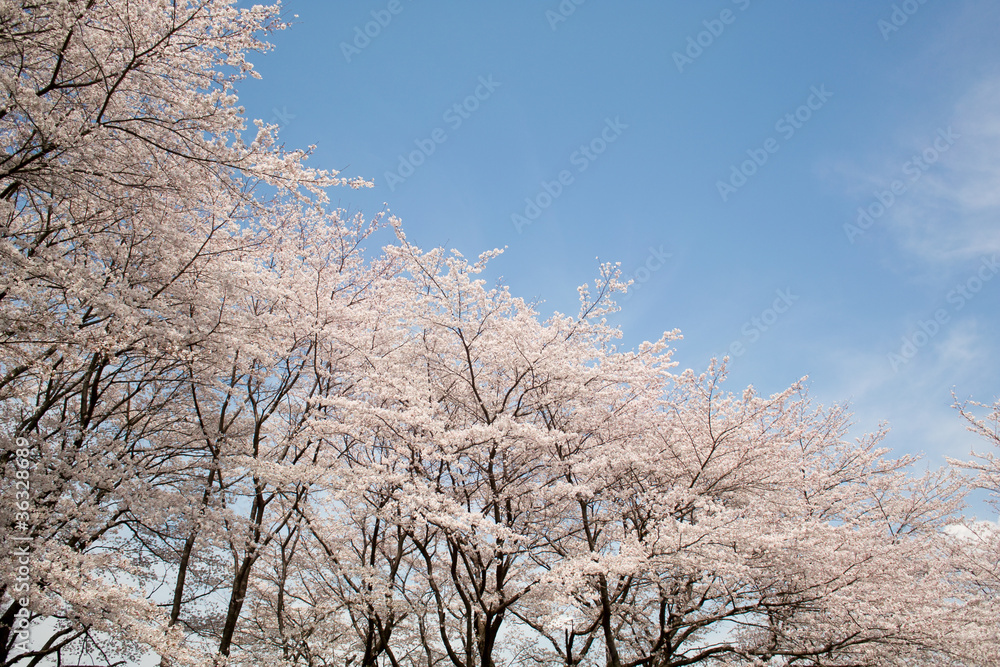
[[719, 150]]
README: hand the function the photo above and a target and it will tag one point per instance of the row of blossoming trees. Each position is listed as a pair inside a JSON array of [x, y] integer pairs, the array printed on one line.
[[248, 443]]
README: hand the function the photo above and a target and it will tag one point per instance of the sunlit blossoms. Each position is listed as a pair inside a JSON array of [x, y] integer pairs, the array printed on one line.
[[231, 437]]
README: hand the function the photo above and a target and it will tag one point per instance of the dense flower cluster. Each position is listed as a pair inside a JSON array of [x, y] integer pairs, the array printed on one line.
[[249, 444]]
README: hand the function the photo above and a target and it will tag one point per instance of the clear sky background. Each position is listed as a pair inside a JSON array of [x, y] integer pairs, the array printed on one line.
[[644, 108]]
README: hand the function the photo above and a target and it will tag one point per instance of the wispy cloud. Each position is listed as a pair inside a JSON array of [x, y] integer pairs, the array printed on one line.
[[953, 212]]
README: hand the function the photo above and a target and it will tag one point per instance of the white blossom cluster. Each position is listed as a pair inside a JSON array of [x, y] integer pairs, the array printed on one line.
[[249, 444]]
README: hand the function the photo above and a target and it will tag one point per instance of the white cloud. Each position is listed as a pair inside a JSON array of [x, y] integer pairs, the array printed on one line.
[[951, 213], [962, 346]]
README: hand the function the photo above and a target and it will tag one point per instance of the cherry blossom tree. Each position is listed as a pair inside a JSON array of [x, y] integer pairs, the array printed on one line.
[[976, 547], [744, 529], [554, 486], [250, 444], [146, 288]]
